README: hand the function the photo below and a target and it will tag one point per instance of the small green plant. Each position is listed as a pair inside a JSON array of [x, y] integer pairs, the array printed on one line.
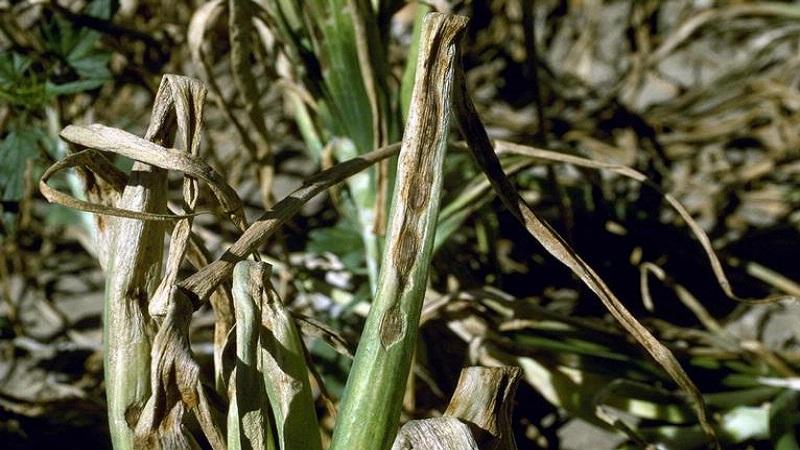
[[69, 61]]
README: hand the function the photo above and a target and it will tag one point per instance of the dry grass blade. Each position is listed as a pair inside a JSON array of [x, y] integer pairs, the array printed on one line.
[[241, 35], [205, 18], [716, 265], [190, 98], [697, 21], [315, 329], [370, 408], [202, 283], [482, 149], [686, 297]]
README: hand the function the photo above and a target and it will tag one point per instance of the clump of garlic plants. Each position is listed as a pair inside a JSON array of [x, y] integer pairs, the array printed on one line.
[[264, 389]]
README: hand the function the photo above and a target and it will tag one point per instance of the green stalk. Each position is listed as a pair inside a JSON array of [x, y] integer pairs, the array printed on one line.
[[249, 425], [370, 409], [270, 366], [133, 271]]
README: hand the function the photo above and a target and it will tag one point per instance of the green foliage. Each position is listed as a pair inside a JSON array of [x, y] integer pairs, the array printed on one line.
[[21, 86], [339, 49], [18, 147], [72, 61], [76, 58], [333, 367], [343, 241], [323, 44], [784, 418]]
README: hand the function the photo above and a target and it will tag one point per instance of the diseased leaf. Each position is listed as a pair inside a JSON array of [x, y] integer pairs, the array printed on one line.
[[369, 411]]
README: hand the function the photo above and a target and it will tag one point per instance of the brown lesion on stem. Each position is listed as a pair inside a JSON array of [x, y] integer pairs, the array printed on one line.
[[393, 326], [416, 167]]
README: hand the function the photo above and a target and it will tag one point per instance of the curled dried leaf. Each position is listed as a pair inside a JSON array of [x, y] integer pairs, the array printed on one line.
[[440, 433], [478, 417], [121, 142], [484, 398], [176, 389], [82, 160]]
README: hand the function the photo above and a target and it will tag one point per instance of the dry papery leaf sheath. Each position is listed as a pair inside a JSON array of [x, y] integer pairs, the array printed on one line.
[[478, 416]]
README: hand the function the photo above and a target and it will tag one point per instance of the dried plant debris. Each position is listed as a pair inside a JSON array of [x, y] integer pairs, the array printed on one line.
[[478, 416]]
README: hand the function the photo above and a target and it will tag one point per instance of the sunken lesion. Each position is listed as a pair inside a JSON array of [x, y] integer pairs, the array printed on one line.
[[414, 195], [393, 326], [417, 165]]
